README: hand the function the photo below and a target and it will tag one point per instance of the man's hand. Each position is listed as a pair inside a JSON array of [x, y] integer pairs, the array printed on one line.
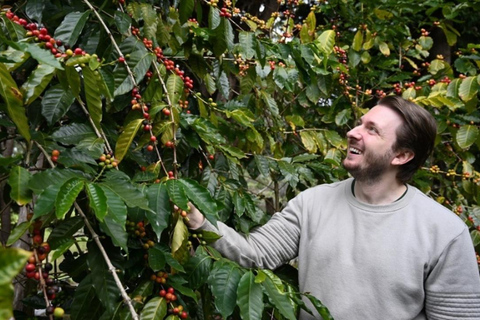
[[195, 218]]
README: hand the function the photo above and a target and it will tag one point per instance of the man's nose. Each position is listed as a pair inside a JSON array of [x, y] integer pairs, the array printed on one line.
[[354, 133]]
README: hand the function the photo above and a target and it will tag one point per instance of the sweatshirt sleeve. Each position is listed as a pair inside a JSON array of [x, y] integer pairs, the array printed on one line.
[[452, 288], [268, 246]]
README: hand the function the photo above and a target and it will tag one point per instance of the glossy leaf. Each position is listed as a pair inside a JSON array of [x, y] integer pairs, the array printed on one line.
[[37, 82], [159, 203], [174, 88], [14, 102], [41, 55], [85, 304], [117, 210], [18, 181], [12, 260], [468, 88], [278, 299], [116, 231], [71, 27], [466, 136], [250, 297], [55, 103], [102, 278], [126, 137], [201, 198], [326, 41], [321, 309], [18, 232], [198, 268], [93, 96], [156, 259], [67, 195], [97, 200], [64, 231], [223, 282], [179, 241], [155, 309], [177, 193]]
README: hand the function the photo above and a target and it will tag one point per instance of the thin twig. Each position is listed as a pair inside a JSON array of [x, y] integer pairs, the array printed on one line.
[[111, 268]]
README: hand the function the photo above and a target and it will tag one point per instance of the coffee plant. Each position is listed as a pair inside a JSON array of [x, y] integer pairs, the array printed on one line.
[[116, 115]]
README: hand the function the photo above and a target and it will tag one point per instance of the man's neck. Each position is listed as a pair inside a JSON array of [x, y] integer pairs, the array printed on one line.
[[380, 192]]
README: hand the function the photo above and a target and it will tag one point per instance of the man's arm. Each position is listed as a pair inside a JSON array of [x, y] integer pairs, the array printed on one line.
[[452, 288], [267, 246]]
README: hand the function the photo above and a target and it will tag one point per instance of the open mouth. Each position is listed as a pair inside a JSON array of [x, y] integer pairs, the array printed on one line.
[[354, 150]]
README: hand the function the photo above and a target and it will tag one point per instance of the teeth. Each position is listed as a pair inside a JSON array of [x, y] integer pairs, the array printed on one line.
[[355, 150]]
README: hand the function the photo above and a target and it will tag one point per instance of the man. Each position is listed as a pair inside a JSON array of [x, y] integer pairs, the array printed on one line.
[[371, 247]]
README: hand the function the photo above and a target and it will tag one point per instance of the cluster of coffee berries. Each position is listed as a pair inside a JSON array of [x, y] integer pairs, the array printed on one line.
[[169, 295], [161, 277], [341, 54], [108, 161], [147, 43], [446, 80], [169, 64], [54, 155], [148, 244], [213, 3], [57, 312], [424, 32], [137, 229], [225, 13]]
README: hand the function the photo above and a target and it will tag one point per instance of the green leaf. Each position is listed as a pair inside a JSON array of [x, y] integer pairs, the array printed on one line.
[[117, 210], [126, 137], [120, 184], [14, 102], [159, 203], [358, 41], [34, 9], [279, 299], [102, 279], [201, 198], [62, 249], [55, 103], [18, 232], [156, 259], [155, 309], [308, 140], [475, 235], [271, 103], [468, 88], [97, 200], [384, 49], [37, 82], [123, 21], [115, 230], [174, 88], [326, 41], [247, 42], [466, 136], [18, 181], [223, 281], [289, 173], [85, 304], [71, 27], [67, 195], [93, 96], [46, 201], [139, 61], [177, 194], [198, 268], [179, 241], [214, 19], [185, 9], [321, 309], [41, 55], [64, 231], [12, 260], [74, 133], [250, 297]]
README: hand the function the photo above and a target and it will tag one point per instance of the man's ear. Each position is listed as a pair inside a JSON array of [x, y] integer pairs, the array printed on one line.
[[402, 157]]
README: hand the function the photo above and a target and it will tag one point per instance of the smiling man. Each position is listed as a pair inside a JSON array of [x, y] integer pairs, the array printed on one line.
[[372, 246]]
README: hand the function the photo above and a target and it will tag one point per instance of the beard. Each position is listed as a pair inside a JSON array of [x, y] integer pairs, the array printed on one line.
[[373, 167]]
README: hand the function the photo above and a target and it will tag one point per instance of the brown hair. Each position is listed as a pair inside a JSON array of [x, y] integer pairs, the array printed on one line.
[[417, 133]]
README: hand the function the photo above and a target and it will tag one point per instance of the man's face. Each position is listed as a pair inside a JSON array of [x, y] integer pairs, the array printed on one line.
[[369, 153]]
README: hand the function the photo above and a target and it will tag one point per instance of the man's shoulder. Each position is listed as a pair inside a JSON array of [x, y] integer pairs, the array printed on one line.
[[436, 213]]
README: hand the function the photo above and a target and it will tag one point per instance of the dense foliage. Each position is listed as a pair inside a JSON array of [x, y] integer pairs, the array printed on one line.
[[114, 115]]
